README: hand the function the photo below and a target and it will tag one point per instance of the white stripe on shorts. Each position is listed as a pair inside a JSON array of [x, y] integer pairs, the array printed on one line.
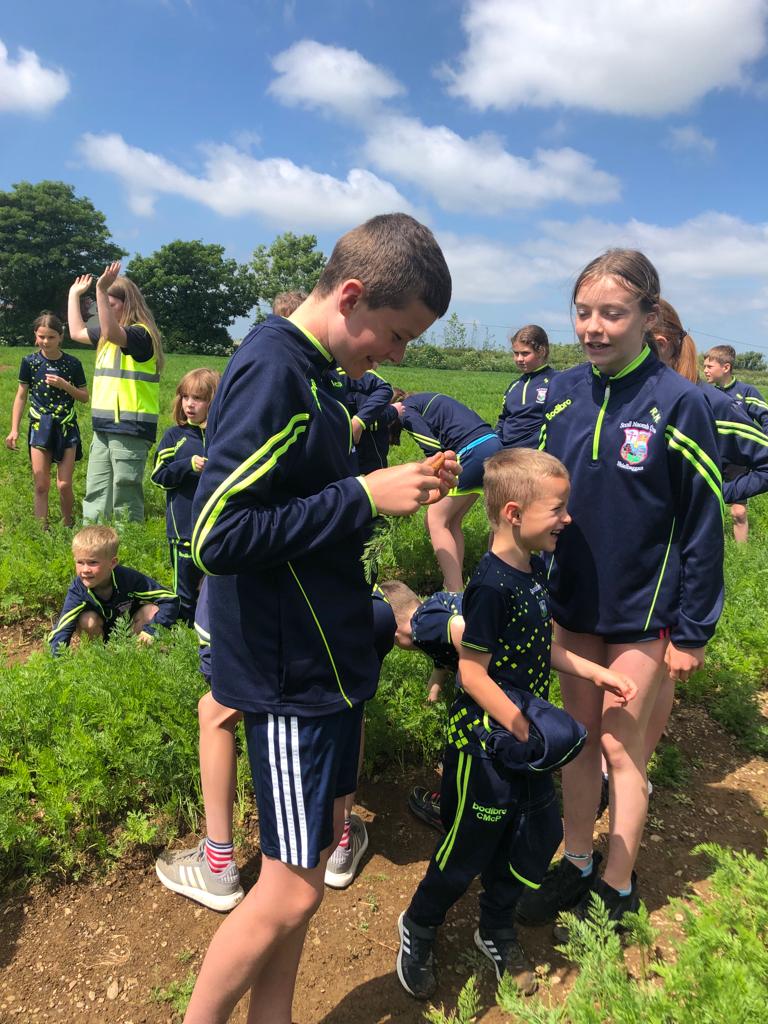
[[287, 791], [276, 787], [299, 791]]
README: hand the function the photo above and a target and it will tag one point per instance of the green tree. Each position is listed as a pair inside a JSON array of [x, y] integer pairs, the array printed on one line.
[[750, 361], [454, 332], [291, 263], [195, 294], [48, 236]]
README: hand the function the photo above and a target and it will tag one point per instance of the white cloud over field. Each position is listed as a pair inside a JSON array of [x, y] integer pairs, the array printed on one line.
[[26, 86]]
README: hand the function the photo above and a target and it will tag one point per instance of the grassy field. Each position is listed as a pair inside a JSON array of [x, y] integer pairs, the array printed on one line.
[[98, 748]]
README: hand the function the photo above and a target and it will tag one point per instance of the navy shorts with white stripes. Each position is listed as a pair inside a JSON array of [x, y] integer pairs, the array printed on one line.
[[299, 767]]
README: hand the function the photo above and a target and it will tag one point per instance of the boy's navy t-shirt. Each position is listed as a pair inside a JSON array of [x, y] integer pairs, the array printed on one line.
[[506, 615], [44, 398]]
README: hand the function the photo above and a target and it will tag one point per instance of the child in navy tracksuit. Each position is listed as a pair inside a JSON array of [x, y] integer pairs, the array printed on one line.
[[522, 413], [637, 580], [368, 400], [179, 462], [497, 799], [718, 369], [437, 422], [103, 592], [279, 524]]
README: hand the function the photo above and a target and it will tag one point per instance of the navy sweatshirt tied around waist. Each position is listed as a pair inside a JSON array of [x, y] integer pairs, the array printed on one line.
[[279, 526], [645, 549]]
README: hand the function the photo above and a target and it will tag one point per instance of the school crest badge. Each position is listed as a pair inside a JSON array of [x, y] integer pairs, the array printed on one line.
[[635, 447], [541, 396]]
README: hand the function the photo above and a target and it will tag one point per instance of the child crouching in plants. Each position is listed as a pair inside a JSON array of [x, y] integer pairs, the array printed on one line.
[[103, 591], [504, 739], [54, 381], [179, 462]]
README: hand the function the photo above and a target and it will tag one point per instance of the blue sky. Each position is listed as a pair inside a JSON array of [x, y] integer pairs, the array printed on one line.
[[530, 136]]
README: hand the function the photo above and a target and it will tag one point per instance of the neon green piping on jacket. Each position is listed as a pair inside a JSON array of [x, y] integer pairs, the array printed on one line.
[[699, 459], [525, 388], [474, 647], [232, 485], [742, 430], [438, 395], [599, 424], [525, 881], [755, 401], [322, 634], [423, 439], [71, 614], [661, 576], [543, 438], [349, 420], [313, 388], [462, 784]]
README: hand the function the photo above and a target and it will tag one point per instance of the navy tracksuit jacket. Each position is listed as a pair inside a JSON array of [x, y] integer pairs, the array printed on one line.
[[522, 413], [742, 443]]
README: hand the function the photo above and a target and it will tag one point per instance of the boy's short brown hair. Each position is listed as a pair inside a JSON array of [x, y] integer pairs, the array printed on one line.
[[402, 599], [515, 474], [722, 354], [284, 303], [396, 258], [101, 541]]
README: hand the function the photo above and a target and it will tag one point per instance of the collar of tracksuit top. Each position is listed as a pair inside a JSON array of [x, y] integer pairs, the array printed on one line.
[[644, 551], [280, 521]]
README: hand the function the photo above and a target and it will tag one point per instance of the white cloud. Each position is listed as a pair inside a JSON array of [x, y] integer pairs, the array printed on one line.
[[28, 87], [699, 259], [235, 183], [311, 74], [688, 138], [478, 174], [646, 57]]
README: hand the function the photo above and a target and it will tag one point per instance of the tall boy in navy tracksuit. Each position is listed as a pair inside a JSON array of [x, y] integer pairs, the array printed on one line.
[[719, 362], [280, 518], [501, 818], [103, 592]]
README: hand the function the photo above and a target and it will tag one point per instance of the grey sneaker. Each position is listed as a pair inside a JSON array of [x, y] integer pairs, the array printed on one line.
[[345, 859], [187, 872]]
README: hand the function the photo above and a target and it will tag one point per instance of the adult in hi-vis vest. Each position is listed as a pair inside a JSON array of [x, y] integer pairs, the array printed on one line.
[[125, 399]]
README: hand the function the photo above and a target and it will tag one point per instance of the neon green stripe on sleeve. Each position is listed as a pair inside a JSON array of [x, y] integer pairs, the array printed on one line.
[[679, 442]]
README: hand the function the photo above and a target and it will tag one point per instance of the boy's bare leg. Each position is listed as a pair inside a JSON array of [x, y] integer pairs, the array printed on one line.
[[740, 524], [266, 931], [90, 623], [145, 614], [623, 739], [662, 709], [444, 520], [349, 800], [64, 473], [218, 765]]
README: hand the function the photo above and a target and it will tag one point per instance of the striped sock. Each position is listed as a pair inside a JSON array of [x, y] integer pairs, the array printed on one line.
[[219, 855], [344, 841]]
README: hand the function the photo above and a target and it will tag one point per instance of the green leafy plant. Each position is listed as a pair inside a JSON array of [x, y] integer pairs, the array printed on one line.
[[467, 1007]]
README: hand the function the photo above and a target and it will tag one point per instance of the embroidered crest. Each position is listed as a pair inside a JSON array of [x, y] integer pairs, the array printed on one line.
[[541, 395], [635, 447]]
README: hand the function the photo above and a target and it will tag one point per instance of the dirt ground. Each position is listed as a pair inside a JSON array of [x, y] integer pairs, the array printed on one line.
[[101, 951]]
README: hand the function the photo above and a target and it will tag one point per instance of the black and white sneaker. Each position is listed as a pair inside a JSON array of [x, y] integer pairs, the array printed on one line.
[[425, 804], [562, 888], [415, 958], [503, 949], [617, 905]]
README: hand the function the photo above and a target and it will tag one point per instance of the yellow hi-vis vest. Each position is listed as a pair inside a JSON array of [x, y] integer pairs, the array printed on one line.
[[126, 394]]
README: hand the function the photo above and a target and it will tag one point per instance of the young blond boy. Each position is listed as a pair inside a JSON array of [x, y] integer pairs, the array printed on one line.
[[280, 522], [719, 363], [103, 591], [497, 799]]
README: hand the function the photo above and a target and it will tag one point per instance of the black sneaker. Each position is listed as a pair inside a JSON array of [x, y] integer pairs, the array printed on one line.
[[617, 905], [426, 806], [502, 948], [415, 959], [562, 888], [604, 797]]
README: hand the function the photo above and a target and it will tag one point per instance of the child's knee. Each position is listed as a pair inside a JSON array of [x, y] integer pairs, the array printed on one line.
[[212, 715], [624, 752], [739, 515], [64, 486], [42, 484], [90, 623], [145, 614]]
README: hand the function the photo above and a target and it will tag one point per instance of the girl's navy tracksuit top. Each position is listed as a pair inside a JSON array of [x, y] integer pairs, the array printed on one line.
[[519, 424], [645, 549], [174, 473], [279, 513], [437, 423]]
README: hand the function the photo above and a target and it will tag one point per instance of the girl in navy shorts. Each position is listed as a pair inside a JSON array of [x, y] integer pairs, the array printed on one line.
[[54, 381], [439, 423]]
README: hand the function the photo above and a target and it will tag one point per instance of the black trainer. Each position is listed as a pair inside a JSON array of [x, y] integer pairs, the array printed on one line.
[[562, 888], [426, 806], [604, 798], [415, 958], [617, 905], [503, 949]]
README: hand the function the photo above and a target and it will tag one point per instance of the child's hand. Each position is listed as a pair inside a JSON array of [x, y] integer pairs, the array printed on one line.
[[520, 727], [10, 441], [109, 276], [81, 285], [446, 468], [145, 638], [402, 490], [198, 463], [399, 407], [682, 663], [57, 382], [617, 683], [433, 694]]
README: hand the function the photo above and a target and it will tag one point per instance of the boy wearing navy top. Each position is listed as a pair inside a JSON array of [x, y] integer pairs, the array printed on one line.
[[719, 362], [103, 591], [497, 800], [280, 520]]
